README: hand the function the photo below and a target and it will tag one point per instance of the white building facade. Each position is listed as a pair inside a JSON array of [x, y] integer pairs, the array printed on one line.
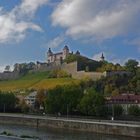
[[55, 57]]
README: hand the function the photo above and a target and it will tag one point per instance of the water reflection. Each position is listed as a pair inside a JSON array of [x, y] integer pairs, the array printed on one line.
[[53, 134]]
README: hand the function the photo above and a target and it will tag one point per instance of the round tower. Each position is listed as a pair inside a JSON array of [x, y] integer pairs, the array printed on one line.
[[65, 52]]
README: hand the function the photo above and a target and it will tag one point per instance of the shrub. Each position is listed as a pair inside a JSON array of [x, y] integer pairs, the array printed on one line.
[[58, 74], [134, 110]]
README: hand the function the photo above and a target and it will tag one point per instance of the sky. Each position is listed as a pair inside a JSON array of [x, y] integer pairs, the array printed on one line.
[[29, 27]]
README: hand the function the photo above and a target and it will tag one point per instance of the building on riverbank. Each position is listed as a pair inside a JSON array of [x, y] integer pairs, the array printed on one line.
[[31, 98], [125, 100]]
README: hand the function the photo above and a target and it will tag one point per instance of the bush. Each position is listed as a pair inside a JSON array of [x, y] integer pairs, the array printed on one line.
[[134, 110], [58, 74]]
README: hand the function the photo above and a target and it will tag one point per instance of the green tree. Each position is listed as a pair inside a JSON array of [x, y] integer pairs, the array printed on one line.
[[131, 65], [8, 102], [108, 89], [63, 99], [92, 103], [40, 98], [118, 110], [109, 67]]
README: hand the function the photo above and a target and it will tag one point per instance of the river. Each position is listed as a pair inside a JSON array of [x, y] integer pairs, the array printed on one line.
[[56, 134]]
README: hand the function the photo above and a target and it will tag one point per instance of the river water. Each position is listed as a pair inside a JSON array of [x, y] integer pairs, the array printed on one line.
[[56, 134]]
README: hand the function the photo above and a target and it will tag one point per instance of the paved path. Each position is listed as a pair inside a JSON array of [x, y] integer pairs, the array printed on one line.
[[93, 121]]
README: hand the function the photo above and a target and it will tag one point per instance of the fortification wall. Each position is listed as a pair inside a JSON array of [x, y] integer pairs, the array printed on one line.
[[9, 75], [72, 68], [47, 67]]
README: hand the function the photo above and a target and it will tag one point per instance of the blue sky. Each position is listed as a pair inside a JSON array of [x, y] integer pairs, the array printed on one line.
[[29, 27]]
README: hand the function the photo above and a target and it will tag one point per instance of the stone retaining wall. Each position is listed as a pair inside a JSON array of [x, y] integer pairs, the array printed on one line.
[[97, 127]]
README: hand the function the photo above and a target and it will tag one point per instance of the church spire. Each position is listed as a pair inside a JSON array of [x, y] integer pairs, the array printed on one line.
[[102, 57]]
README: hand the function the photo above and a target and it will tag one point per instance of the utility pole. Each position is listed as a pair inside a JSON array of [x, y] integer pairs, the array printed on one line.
[[4, 108], [112, 112], [67, 111]]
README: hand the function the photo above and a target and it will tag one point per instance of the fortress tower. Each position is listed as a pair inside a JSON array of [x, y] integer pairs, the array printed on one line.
[[49, 55], [65, 52]]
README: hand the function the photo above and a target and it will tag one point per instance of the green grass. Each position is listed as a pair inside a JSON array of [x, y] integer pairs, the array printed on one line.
[[37, 81]]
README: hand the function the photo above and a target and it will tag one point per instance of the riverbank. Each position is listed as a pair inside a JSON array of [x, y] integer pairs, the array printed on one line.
[[104, 127]]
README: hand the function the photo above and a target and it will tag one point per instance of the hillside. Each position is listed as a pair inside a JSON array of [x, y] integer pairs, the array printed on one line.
[[37, 80]]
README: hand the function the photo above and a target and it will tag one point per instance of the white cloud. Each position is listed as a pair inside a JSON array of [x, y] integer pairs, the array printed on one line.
[[98, 19], [54, 43], [15, 24], [2, 68], [29, 7]]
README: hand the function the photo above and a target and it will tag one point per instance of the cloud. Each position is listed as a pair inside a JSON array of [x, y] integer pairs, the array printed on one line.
[[29, 7], [15, 24], [2, 68], [56, 42], [97, 19]]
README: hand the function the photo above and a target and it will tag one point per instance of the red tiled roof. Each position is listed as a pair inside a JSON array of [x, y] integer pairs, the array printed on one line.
[[125, 99]]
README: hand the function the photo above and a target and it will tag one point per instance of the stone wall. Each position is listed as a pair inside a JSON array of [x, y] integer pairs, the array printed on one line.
[[78, 125], [77, 73], [47, 67], [9, 75], [70, 68]]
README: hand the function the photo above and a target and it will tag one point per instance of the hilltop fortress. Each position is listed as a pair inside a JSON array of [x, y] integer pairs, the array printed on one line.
[[81, 68], [60, 56]]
